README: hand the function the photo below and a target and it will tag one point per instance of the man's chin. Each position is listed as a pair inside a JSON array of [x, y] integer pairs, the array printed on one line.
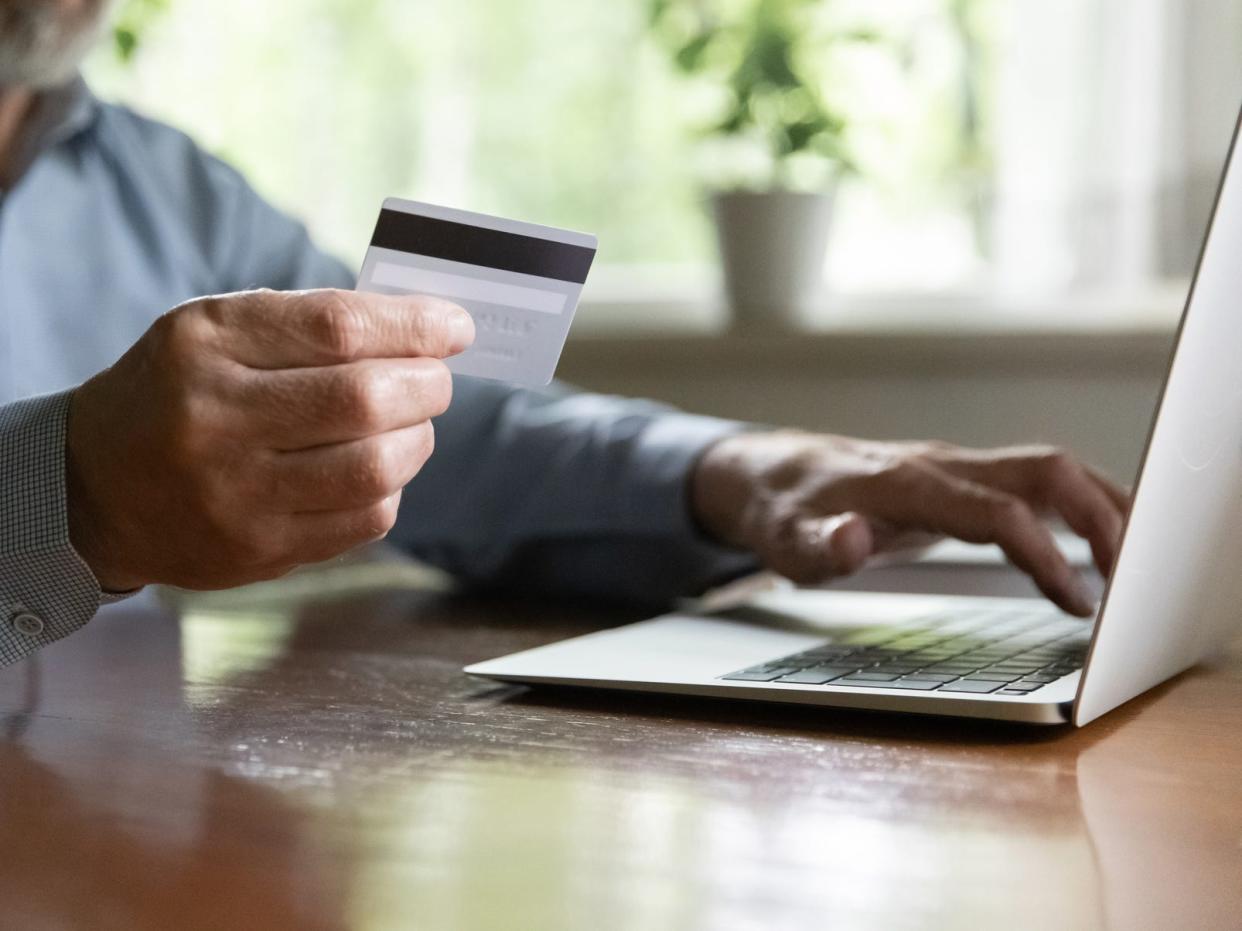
[[42, 47], [37, 77]]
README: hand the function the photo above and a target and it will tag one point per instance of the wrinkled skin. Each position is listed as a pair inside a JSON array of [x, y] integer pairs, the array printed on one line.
[[246, 434], [815, 507]]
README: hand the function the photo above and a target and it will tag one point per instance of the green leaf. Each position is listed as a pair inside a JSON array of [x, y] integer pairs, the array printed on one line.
[[131, 21], [770, 57], [734, 122], [126, 42], [801, 134], [690, 55]]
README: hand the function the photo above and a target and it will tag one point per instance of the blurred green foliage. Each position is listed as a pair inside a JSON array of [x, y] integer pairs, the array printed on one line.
[[570, 112], [131, 22], [758, 50], [549, 110]]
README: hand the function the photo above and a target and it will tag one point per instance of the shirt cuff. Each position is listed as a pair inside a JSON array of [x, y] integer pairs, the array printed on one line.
[[47, 591], [659, 497]]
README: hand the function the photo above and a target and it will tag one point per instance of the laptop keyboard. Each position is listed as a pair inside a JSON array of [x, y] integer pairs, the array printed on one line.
[[1006, 652]]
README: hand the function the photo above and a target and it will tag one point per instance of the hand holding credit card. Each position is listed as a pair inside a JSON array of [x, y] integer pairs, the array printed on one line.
[[519, 281]]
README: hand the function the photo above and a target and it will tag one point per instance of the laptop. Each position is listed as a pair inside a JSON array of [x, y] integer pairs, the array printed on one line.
[[1174, 596]]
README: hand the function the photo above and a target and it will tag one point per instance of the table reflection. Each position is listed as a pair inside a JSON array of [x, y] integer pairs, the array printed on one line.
[[113, 816], [315, 759], [1163, 809], [544, 807]]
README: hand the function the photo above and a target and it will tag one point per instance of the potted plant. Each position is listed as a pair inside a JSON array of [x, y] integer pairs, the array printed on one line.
[[778, 146]]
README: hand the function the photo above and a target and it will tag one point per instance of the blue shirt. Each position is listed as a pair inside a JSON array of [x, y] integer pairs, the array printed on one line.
[[118, 218]]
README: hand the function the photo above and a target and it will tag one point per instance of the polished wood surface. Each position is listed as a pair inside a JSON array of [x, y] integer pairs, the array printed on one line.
[[310, 756]]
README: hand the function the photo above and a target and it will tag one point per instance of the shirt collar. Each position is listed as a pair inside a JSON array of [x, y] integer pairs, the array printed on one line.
[[59, 114]]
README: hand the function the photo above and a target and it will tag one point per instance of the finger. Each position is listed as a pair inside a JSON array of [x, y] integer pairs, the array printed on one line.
[[813, 549], [1090, 513], [1053, 481], [344, 476], [934, 500], [315, 537], [300, 408], [1116, 493], [286, 329]]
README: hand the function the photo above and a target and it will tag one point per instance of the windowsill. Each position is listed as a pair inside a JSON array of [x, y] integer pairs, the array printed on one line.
[[677, 307], [913, 333]]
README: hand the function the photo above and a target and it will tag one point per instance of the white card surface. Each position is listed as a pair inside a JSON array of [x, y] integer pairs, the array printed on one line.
[[519, 281]]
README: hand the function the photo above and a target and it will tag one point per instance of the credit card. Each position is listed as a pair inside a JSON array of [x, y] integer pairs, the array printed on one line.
[[519, 281]]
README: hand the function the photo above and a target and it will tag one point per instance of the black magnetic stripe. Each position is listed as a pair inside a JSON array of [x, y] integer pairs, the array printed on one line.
[[474, 245]]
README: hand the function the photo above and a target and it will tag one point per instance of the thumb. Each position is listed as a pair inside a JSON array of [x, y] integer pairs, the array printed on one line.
[[848, 542], [828, 547]]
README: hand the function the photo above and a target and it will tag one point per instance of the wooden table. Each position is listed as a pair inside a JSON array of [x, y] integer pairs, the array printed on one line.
[[310, 756]]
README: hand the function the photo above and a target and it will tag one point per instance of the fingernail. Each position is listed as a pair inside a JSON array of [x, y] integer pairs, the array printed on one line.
[[1084, 599], [849, 542], [461, 330]]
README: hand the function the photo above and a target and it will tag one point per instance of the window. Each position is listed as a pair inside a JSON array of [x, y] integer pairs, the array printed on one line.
[[1006, 146]]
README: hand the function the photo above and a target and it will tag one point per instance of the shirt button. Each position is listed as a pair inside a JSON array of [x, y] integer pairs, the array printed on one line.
[[27, 624]]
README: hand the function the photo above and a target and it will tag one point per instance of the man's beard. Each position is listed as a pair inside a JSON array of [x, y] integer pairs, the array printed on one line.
[[41, 44]]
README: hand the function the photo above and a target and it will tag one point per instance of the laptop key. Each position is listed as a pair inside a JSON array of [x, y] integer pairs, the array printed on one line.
[[992, 677], [922, 685], [1016, 668], [816, 675], [1040, 679], [823, 656], [964, 685], [759, 675]]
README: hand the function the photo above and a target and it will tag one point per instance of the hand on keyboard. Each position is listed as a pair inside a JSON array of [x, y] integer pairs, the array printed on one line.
[[814, 507]]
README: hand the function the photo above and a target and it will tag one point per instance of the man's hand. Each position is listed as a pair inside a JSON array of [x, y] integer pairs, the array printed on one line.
[[244, 435], [814, 507]]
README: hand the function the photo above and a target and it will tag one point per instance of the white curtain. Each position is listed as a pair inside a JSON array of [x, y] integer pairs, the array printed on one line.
[[1114, 119]]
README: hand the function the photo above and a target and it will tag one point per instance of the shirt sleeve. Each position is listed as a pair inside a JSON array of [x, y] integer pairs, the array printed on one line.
[[46, 590], [552, 491], [566, 493]]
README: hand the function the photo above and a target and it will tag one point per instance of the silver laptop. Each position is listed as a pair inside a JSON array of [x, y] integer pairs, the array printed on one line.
[[1174, 596]]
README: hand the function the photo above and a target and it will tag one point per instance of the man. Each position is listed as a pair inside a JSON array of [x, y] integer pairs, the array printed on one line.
[[237, 436]]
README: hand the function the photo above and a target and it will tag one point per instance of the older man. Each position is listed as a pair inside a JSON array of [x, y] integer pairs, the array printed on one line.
[[236, 436]]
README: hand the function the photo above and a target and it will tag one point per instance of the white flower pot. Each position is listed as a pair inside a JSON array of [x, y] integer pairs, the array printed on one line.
[[772, 249]]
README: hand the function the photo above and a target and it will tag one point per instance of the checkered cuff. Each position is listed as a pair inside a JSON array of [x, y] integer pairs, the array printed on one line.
[[46, 590]]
